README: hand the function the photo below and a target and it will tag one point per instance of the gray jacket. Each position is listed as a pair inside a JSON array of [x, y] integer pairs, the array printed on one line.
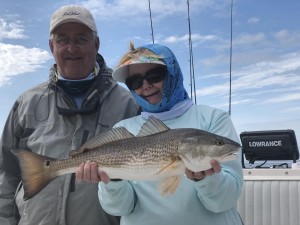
[[45, 120]]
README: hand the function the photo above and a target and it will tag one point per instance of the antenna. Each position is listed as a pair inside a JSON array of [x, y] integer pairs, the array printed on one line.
[[151, 22], [192, 74], [229, 110]]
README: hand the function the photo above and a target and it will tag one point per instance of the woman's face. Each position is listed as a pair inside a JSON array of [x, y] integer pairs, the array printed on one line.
[[146, 80]]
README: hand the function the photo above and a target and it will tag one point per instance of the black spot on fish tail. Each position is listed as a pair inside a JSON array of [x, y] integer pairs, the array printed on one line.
[[33, 172]]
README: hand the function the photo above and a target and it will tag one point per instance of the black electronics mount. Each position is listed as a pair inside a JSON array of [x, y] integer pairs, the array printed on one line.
[[275, 145]]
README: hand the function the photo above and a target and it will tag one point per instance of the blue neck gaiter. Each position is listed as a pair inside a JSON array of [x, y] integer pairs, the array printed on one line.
[[173, 89]]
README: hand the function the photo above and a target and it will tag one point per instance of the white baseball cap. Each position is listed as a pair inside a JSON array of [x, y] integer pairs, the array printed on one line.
[[72, 13]]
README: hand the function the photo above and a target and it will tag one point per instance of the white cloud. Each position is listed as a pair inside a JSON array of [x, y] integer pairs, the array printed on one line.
[[194, 37], [284, 98], [281, 78], [286, 37], [128, 8], [249, 39], [12, 30], [292, 109], [16, 59], [116, 9], [253, 20]]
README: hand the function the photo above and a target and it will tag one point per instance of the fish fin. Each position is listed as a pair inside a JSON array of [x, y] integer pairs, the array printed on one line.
[[105, 137], [33, 172], [75, 152], [152, 126], [174, 165], [169, 185]]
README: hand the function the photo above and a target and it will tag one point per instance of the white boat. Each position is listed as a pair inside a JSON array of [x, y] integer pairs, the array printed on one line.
[[271, 192], [270, 197]]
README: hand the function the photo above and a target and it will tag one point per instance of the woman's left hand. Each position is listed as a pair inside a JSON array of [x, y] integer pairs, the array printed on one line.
[[216, 168]]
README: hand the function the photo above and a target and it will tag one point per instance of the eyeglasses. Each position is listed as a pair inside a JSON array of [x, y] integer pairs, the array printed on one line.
[[152, 76], [79, 40]]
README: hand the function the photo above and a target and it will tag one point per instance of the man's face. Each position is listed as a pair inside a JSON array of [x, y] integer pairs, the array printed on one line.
[[74, 48]]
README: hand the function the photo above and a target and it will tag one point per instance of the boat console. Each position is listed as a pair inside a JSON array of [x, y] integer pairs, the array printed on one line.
[[278, 146]]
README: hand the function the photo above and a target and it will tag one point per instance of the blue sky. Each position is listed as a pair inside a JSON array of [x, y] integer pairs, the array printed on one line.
[[265, 60]]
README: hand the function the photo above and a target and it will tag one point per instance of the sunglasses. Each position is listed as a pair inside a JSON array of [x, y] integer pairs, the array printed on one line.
[[152, 76]]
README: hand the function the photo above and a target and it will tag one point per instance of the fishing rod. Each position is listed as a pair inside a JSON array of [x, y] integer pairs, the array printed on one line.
[[151, 22], [230, 63], [191, 60], [192, 74]]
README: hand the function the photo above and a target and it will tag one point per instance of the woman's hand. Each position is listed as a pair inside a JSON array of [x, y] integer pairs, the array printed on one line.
[[90, 173], [216, 168]]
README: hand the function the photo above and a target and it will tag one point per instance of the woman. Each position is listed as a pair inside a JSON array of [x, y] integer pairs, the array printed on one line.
[[153, 76]]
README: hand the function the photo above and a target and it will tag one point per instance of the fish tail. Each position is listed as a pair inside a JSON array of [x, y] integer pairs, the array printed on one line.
[[34, 172]]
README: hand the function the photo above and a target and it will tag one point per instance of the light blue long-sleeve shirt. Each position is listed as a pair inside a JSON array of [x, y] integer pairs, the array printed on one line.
[[210, 201]]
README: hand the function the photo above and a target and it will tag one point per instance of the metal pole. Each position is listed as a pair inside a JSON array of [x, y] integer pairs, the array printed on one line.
[[229, 110], [151, 22], [192, 74]]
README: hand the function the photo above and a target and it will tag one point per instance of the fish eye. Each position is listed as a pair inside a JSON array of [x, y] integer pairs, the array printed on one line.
[[219, 142], [47, 162]]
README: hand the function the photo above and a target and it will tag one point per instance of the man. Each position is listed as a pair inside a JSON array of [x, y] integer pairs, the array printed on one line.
[[79, 101]]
